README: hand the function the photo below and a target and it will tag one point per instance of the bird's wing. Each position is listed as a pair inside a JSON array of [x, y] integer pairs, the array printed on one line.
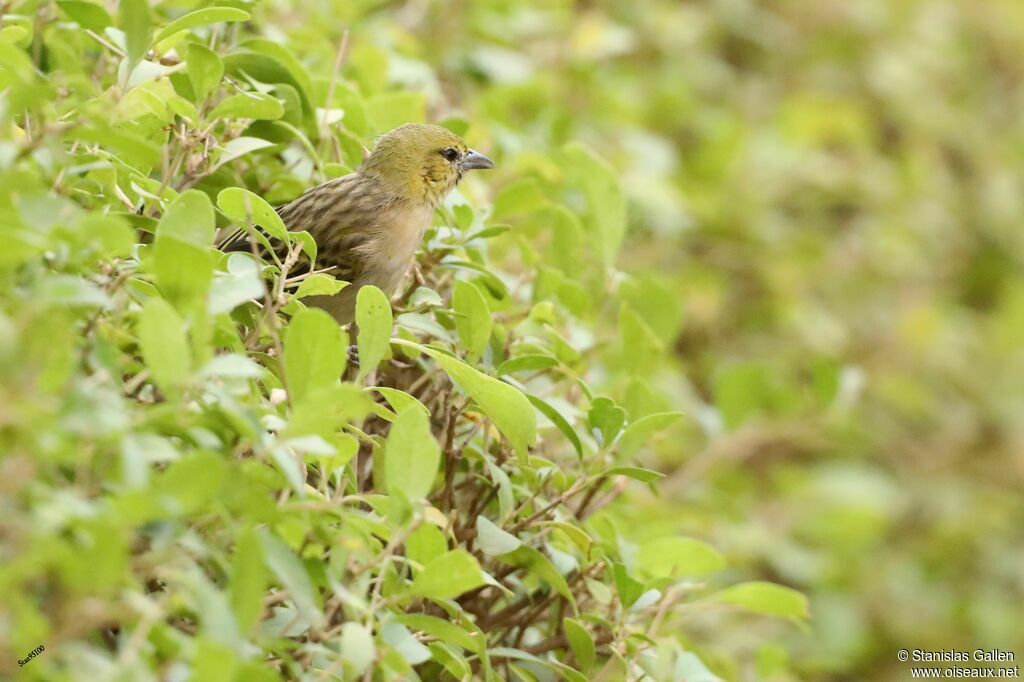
[[339, 214], [239, 239]]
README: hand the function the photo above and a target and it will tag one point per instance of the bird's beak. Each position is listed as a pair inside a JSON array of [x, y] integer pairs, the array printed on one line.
[[475, 161]]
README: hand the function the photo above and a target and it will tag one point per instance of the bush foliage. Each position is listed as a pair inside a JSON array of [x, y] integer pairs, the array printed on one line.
[[706, 254], [201, 492]]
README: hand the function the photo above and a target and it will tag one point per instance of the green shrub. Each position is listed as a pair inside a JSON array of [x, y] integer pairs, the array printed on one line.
[[201, 486]]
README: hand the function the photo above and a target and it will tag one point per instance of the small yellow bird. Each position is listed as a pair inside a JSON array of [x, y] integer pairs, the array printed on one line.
[[368, 224]]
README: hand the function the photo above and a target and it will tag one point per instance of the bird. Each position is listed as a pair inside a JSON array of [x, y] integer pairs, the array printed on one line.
[[368, 224]]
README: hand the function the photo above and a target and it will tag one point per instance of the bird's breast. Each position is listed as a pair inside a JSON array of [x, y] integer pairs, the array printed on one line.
[[395, 244]]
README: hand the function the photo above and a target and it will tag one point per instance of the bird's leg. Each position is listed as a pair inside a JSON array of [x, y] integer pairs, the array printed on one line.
[[353, 353]]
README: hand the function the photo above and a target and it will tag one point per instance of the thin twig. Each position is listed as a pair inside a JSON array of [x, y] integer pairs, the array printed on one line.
[[339, 59]]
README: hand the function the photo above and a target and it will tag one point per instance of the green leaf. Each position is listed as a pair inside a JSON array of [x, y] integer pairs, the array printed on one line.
[[400, 400], [456, 124], [242, 282], [640, 431], [319, 285], [425, 544], [133, 149], [636, 473], [507, 407], [560, 422], [248, 579], [535, 562], [487, 232], [253, 105], [357, 646], [576, 534], [472, 318], [678, 556], [453, 661], [212, 660], [282, 56], [628, 587], [182, 258], [444, 630], [205, 69], [527, 363], [567, 251], [135, 24], [188, 485], [463, 215], [398, 637], [68, 290], [189, 219], [269, 62], [606, 419], [494, 284], [245, 64], [322, 411], [374, 319], [281, 560], [202, 17], [494, 541], [308, 243], [315, 353], [581, 643], [113, 237], [765, 598], [88, 15], [240, 146], [448, 576], [560, 668], [246, 208], [232, 366], [411, 455], [692, 669], [16, 35], [164, 346], [606, 214]]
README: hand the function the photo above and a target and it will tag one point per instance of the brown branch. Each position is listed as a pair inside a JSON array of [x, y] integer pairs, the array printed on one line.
[[564, 497]]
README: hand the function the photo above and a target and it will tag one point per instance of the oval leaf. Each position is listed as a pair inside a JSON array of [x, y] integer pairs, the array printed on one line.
[[244, 207], [493, 540], [507, 407], [289, 569], [315, 353], [472, 318], [411, 455], [374, 319], [448, 576], [205, 69], [678, 556], [765, 598], [357, 646], [253, 105], [164, 346], [580, 641], [559, 421], [638, 432], [202, 17]]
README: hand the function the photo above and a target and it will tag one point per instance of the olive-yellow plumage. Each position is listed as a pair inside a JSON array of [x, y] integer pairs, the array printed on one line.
[[368, 224]]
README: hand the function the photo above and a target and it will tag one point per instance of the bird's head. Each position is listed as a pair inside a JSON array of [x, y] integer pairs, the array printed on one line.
[[420, 162]]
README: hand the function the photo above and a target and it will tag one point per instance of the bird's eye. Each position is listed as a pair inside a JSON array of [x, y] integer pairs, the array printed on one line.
[[450, 153]]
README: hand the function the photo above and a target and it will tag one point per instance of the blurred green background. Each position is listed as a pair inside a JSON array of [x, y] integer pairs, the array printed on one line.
[[824, 269], [825, 205]]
